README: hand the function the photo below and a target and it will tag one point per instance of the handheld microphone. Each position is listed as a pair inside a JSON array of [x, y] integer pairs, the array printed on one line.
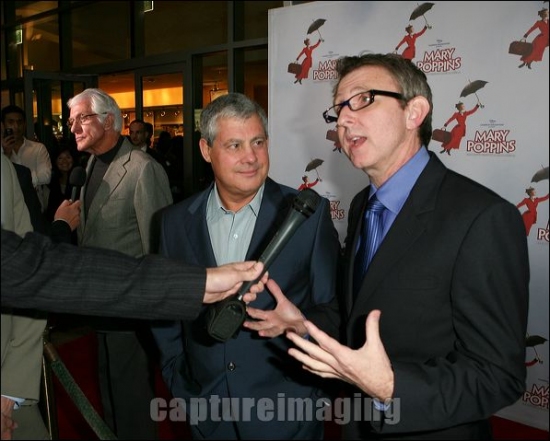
[[77, 179], [226, 317]]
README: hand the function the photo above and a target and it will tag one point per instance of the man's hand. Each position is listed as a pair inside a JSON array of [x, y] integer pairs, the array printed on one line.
[[69, 212], [8, 143], [368, 367], [225, 280], [8, 424], [285, 317]]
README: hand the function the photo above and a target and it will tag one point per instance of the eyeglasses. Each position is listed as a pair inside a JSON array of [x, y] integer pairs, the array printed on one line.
[[357, 102], [82, 119]]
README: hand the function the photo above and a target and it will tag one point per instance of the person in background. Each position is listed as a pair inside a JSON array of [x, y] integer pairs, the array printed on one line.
[[149, 132], [60, 185], [423, 324], [125, 189], [234, 219], [21, 150]]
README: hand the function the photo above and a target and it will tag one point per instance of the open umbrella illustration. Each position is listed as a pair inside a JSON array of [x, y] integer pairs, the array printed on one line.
[[530, 342], [473, 87], [420, 10], [315, 26], [541, 175], [313, 165]]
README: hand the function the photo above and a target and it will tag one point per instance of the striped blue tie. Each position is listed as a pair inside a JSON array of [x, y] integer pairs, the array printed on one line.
[[371, 236]]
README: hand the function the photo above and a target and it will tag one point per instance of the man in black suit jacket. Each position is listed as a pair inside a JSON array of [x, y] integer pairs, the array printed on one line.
[[434, 338]]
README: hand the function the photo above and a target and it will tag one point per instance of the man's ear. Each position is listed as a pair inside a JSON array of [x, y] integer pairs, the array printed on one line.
[[205, 150], [417, 110]]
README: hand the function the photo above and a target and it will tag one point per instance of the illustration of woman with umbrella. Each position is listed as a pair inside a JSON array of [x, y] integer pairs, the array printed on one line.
[[459, 130], [410, 40], [306, 184], [540, 42], [307, 51], [531, 202]]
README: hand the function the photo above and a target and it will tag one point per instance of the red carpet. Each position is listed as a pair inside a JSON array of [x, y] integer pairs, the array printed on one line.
[[79, 356]]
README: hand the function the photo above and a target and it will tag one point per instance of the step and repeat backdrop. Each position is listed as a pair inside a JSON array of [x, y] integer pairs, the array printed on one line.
[[487, 64]]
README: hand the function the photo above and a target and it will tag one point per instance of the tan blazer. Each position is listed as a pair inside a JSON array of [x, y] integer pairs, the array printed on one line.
[[121, 216], [21, 334]]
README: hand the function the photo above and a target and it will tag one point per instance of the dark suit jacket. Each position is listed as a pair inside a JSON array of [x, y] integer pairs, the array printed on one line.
[[451, 280], [40, 274], [195, 365]]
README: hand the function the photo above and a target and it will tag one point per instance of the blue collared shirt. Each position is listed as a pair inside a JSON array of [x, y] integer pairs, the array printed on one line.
[[231, 232], [395, 191]]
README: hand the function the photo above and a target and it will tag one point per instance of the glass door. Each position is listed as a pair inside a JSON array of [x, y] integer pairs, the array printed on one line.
[[161, 103], [45, 104]]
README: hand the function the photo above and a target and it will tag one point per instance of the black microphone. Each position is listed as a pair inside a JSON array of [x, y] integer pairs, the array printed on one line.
[[226, 317], [77, 179]]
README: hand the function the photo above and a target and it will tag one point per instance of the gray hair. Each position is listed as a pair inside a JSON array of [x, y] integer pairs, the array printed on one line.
[[232, 105], [101, 103]]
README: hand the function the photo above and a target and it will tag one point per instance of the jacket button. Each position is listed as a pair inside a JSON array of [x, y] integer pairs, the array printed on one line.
[[231, 366]]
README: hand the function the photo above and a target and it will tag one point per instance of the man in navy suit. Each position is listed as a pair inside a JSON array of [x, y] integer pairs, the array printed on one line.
[[434, 333], [234, 219]]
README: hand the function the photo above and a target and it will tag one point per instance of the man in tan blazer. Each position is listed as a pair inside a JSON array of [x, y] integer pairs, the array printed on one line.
[[124, 190], [21, 334]]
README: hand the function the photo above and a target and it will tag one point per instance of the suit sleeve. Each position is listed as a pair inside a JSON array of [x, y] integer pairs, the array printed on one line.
[[39, 274], [151, 195]]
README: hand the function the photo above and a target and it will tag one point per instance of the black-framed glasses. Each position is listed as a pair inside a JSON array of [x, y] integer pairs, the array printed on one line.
[[83, 119], [357, 102]]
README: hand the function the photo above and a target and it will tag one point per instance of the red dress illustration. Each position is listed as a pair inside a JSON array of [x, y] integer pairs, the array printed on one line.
[[308, 60], [540, 42], [458, 131], [307, 184], [530, 215], [410, 40]]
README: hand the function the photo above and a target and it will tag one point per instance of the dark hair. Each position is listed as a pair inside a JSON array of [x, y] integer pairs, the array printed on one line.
[[12, 108], [409, 78]]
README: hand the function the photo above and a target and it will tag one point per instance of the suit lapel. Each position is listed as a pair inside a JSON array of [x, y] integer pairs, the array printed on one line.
[[112, 179], [273, 211], [197, 230], [410, 224]]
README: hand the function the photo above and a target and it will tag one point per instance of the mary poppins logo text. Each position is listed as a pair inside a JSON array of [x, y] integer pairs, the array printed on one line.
[[542, 233], [491, 141], [325, 71], [440, 60], [537, 396], [336, 213]]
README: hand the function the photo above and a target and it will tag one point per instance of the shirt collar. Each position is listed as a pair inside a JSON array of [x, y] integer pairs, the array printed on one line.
[[396, 190], [216, 208]]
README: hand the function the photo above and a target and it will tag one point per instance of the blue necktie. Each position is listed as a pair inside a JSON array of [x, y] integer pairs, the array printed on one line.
[[371, 236]]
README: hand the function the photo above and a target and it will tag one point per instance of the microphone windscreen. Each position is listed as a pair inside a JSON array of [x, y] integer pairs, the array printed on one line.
[[306, 202], [77, 178]]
